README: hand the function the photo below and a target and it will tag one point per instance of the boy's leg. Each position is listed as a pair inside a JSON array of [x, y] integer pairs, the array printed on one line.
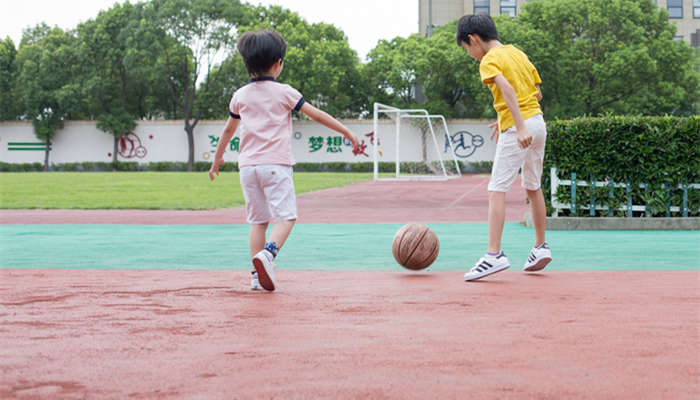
[[278, 186], [507, 161], [494, 260], [539, 214], [540, 255], [257, 243], [497, 217], [280, 232], [257, 215], [263, 258], [257, 238], [281, 197]]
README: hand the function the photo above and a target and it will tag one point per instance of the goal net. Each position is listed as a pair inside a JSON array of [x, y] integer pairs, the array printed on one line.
[[418, 146]]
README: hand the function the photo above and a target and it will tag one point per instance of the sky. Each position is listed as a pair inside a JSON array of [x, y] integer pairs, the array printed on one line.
[[364, 21]]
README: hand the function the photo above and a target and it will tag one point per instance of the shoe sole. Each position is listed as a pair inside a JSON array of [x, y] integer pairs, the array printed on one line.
[[487, 274], [263, 278], [539, 265]]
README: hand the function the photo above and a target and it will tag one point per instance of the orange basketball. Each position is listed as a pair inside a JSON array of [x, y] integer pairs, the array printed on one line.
[[415, 246]]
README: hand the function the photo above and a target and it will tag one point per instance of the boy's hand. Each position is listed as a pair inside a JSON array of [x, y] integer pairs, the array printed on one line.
[[524, 138], [353, 139], [215, 167], [494, 130]]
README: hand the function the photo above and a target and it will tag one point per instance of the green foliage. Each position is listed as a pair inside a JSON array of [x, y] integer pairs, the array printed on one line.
[[605, 56], [319, 61], [224, 80], [194, 33], [47, 63], [663, 152], [116, 124], [452, 85], [9, 109], [163, 59]]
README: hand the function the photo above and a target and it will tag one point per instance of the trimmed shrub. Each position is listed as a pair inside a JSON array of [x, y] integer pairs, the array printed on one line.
[[658, 151]]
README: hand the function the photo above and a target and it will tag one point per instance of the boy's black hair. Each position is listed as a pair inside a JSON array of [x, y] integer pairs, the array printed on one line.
[[261, 50], [480, 24]]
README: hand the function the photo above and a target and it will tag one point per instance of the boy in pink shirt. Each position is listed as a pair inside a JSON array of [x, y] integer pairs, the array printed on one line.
[[262, 108]]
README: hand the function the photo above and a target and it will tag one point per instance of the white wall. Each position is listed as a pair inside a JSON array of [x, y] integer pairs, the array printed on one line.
[[166, 141]]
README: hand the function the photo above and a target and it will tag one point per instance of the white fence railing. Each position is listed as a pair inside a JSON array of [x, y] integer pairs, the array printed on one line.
[[592, 207]]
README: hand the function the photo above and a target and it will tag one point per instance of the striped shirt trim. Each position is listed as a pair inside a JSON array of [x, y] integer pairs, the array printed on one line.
[[299, 104]]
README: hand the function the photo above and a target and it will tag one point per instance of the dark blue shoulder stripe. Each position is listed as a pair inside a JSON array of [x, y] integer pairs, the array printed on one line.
[[299, 104], [236, 116]]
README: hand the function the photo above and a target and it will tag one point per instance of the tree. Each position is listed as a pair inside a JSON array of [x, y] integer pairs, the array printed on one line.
[[117, 74], [451, 83], [46, 63], [319, 61], [605, 56], [222, 82], [8, 74], [198, 33], [393, 70], [444, 73]]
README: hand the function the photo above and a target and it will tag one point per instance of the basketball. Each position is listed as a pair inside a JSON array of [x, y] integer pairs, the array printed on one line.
[[415, 246]]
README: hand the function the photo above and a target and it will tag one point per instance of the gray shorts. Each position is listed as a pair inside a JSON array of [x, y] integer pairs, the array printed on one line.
[[510, 158], [269, 193]]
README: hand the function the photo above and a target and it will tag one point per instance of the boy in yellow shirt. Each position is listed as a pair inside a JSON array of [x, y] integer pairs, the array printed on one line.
[[521, 131]]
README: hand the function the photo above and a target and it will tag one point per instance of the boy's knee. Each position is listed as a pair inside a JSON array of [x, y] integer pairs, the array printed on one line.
[[533, 192]]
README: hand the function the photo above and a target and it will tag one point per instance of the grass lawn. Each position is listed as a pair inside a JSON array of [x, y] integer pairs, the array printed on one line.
[[143, 190]]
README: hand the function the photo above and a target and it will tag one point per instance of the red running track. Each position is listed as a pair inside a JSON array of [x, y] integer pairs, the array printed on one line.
[[70, 334]]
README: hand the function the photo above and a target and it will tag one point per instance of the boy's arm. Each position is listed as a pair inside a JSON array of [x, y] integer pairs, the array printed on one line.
[[539, 93], [511, 99], [229, 130], [325, 119]]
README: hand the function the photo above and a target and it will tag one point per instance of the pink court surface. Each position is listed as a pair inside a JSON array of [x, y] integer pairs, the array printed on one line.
[[394, 334]]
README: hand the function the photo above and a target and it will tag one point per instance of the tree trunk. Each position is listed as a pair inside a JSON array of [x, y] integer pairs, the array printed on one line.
[[190, 144], [114, 154], [46, 155]]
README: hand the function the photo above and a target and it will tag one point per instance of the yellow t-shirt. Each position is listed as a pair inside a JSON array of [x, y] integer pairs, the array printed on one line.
[[514, 65]]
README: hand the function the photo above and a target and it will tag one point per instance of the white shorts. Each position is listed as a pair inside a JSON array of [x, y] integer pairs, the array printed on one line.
[[510, 157], [269, 193]]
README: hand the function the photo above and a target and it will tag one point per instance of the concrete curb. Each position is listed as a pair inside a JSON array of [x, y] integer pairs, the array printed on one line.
[[617, 224]]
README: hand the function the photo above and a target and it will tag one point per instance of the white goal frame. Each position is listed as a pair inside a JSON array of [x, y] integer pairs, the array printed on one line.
[[400, 114]]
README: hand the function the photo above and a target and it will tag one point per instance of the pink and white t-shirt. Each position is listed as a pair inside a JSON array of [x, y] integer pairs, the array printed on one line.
[[264, 108]]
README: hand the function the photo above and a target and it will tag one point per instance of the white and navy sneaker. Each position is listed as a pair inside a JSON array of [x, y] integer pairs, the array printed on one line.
[[264, 263], [254, 283], [487, 265], [539, 257]]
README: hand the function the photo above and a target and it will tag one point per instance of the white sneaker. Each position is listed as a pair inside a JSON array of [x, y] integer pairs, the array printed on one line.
[[254, 283], [264, 264], [487, 265], [539, 258]]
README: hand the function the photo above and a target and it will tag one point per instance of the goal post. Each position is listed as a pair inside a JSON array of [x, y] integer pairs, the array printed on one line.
[[443, 172]]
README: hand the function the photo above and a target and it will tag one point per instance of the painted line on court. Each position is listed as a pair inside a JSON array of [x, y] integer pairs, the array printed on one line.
[[471, 190]]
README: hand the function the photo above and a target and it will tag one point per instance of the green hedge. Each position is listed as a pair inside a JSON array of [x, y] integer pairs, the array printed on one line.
[[201, 166], [657, 151]]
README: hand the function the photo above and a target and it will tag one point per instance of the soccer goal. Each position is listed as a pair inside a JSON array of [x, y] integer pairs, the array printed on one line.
[[421, 158]]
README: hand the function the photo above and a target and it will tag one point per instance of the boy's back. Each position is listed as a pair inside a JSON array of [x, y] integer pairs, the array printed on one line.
[[263, 107], [514, 65]]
